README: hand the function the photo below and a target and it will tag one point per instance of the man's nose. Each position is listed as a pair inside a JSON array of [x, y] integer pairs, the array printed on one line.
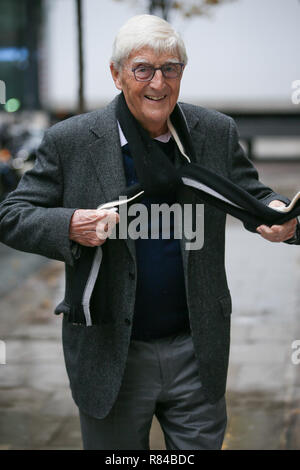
[[158, 79]]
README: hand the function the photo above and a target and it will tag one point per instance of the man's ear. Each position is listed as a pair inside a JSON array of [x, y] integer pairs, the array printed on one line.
[[116, 75]]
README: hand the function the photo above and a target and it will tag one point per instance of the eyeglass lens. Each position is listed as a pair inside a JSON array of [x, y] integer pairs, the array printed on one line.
[[146, 72]]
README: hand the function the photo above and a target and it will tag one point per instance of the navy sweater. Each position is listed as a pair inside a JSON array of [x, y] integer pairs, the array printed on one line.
[[160, 306]]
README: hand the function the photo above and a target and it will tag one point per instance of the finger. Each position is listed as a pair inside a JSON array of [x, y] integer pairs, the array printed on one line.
[[276, 203], [102, 213], [278, 233], [105, 227], [269, 234], [87, 220], [277, 228], [264, 229], [84, 219], [101, 231], [110, 220]]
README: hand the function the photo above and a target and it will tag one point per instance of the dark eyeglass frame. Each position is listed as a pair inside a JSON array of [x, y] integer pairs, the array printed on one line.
[[162, 68]]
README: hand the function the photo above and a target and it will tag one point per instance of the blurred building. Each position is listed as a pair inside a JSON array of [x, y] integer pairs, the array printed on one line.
[[243, 58], [20, 22]]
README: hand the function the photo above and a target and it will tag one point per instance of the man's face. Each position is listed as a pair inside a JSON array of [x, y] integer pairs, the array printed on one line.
[[150, 102]]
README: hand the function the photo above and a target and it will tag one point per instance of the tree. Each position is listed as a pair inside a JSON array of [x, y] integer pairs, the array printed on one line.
[[187, 8], [162, 8]]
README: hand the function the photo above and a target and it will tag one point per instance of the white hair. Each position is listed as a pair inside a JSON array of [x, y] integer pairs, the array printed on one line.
[[146, 31]]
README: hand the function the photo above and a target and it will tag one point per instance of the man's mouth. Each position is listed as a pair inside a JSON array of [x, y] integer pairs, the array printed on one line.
[[155, 98]]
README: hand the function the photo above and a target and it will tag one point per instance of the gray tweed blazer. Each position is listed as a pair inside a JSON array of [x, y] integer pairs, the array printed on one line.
[[79, 165]]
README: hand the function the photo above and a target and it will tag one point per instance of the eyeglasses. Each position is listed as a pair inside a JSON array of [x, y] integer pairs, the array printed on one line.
[[145, 73]]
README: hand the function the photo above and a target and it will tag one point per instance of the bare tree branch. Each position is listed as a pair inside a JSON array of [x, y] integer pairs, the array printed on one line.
[[187, 8]]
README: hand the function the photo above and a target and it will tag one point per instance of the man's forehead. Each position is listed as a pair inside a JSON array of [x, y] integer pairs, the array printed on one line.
[[141, 59], [151, 56]]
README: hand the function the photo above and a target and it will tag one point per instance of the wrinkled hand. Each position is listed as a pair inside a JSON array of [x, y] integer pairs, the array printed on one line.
[[92, 227], [278, 233]]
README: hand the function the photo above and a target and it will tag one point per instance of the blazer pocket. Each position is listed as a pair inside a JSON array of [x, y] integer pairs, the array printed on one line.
[[63, 307], [73, 314], [225, 304]]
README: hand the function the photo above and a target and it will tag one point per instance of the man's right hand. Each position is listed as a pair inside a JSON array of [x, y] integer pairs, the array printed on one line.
[[92, 227]]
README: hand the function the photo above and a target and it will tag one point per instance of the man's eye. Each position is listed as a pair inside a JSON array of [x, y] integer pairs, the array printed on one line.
[[169, 68], [143, 68]]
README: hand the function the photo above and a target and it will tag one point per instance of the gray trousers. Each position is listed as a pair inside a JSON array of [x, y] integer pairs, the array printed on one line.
[[161, 378]]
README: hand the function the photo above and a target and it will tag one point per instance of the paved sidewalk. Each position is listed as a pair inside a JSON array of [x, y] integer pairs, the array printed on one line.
[[36, 408]]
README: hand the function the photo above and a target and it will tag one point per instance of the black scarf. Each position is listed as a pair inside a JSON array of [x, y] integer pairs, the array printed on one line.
[[158, 176]]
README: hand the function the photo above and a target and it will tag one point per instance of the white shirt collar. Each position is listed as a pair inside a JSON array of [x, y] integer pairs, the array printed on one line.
[[162, 138]]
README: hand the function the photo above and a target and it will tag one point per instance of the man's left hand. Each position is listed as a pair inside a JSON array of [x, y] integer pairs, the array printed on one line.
[[278, 233]]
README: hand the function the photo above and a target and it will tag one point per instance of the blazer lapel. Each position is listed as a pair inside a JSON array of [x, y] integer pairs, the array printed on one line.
[[106, 157], [186, 196], [197, 132]]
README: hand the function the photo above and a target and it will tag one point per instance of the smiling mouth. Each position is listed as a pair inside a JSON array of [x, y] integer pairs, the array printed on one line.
[[155, 98]]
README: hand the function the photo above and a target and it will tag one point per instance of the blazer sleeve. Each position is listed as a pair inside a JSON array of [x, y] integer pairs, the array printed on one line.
[[32, 218], [243, 173]]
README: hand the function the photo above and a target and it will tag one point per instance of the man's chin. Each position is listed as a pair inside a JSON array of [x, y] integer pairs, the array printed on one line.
[[155, 119]]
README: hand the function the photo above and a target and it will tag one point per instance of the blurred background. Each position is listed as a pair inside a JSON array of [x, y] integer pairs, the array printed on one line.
[[244, 62]]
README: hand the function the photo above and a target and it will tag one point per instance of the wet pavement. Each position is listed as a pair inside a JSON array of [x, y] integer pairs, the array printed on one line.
[[263, 393]]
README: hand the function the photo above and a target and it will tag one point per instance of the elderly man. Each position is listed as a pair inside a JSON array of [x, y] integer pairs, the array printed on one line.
[[150, 335]]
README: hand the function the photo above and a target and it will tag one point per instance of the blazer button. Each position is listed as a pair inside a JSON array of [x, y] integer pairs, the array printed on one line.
[[131, 276], [127, 321]]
